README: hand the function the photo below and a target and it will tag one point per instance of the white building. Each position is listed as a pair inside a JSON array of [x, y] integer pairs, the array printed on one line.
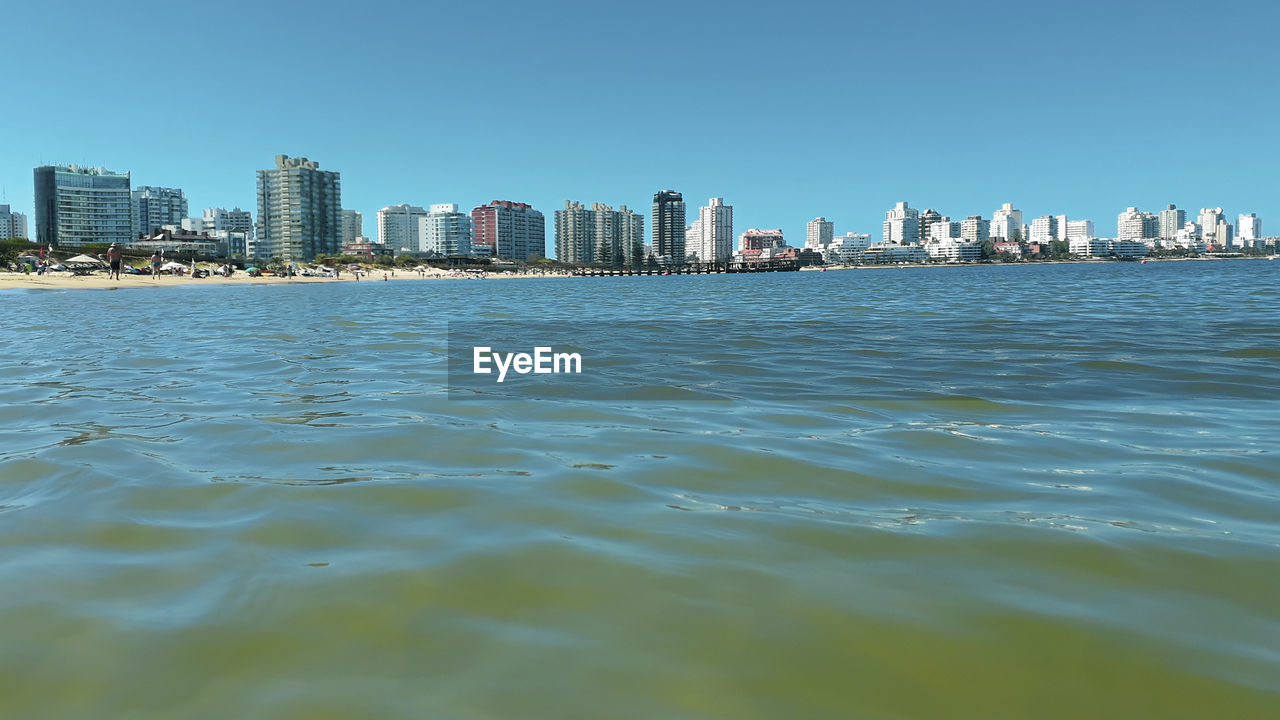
[[1171, 221], [1249, 227], [820, 233], [1129, 224], [1091, 247], [1079, 230], [1044, 229], [954, 250], [710, 237], [398, 227], [1128, 248], [12, 224], [152, 208], [847, 248], [943, 229], [975, 229], [445, 231], [902, 224], [883, 252], [1006, 223]]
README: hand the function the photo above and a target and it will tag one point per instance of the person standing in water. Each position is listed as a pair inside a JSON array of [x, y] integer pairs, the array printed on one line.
[[113, 257]]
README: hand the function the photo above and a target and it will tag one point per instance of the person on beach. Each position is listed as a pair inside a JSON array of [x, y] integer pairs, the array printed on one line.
[[113, 258], [156, 261]]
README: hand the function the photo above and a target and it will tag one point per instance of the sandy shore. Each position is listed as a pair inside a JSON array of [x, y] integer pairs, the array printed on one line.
[[99, 281]]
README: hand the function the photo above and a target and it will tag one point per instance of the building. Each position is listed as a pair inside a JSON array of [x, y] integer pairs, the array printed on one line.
[[1008, 247], [710, 237], [975, 229], [756, 239], [366, 249], [178, 244], [1044, 229], [352, 225], [1079, 230], [398, 227], [509, 230], [1171, 221], [299, 211], [155, 207], [953, 249], [942, 229], [888, 252], [1249, 227], [445, 231], [1006, 223], [847, 248], [668, 226], [601, 235], [928, 219], [1090, 247], [12, 224], [819, 233], [82, 206], [1134, 225], [902, 224]]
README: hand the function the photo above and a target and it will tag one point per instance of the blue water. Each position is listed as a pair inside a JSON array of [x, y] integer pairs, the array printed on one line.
[[989, 492]]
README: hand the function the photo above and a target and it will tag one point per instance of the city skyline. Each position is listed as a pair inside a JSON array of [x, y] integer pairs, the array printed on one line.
[[788, 136]]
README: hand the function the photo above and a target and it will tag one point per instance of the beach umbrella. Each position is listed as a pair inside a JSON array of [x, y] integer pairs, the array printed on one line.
[[84, 260]]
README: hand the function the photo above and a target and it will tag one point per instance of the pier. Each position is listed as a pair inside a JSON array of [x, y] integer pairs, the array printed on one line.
[[711, 268]]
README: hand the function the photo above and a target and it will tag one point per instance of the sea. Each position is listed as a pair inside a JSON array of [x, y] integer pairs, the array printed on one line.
[[1023, 491]]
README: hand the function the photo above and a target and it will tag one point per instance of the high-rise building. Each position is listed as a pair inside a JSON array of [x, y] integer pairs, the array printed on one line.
[[710, 237], [12, 224], [1129, 225], [1062, 226], [668, 226], [1249, 227], [1079, 230], [236, 220], [819, 234], [600, 235], [299, 210], [1171, 221], [1006, 223], [398, 227], [943, 229], [352, 225], [902, 224], [154, 207], [445, 231], [509, 230], [928, 219], [82, 206], [975, 229], [757, 239], [1044, 229]]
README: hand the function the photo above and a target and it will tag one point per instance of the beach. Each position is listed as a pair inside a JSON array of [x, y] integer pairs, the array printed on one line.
[[100, 281]]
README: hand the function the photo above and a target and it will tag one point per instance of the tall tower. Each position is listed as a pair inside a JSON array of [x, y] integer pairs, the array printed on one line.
[[82, 206], [299, 210], [668, 226], [819, 233]]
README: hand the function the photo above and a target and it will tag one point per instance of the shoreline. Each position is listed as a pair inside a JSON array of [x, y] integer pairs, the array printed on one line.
[[97, 281], [65, 281], [1025, 263]]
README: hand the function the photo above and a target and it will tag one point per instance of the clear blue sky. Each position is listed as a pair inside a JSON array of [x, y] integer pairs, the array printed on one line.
[[788, 110]]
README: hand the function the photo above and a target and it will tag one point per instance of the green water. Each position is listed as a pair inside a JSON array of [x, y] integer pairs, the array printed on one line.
[[1046, 492]]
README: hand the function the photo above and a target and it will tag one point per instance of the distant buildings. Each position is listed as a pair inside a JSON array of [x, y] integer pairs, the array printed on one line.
[[1134, 225], [152, 208], [847, 248], [601, 235], [710, 237], [1171, 221], [1006, 223], [398, 227], [234, 228], [668, 226], [12, 224], [1079, 230], [902, 224], [445, 231], [943, 228], [509, 230], [82, 206], [756, 239], [1214, 228], [1044, 229], [975, 229], [1249, 227], [299, 210], [352, 226], [819, 233]]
